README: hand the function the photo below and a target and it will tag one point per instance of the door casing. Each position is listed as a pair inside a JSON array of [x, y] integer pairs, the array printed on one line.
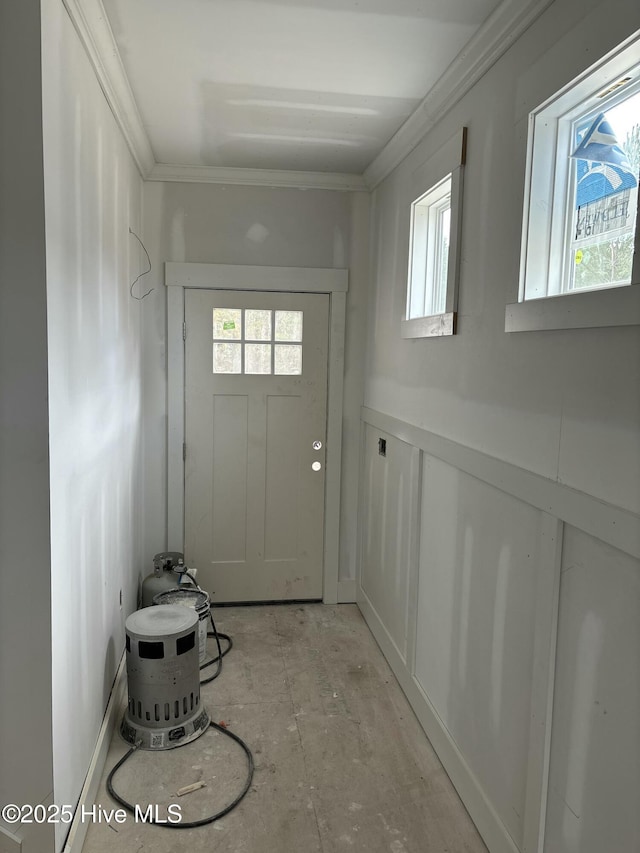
[[334, 282]]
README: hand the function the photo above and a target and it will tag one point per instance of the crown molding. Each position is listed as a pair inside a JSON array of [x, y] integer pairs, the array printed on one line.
[[258, 177], [92, 25], [491, 41]]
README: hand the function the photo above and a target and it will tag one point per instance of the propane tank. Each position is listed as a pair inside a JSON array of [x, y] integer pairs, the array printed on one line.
[[163, 577]]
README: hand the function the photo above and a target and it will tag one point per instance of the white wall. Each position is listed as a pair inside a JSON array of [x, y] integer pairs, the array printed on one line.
[[26, 774], [562, 404], [93, 194], [475, 634], [468, 617], [222, 224], [389, 515], [594, 778]]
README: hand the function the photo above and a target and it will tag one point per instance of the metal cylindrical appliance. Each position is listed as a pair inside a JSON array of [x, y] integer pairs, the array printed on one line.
[[164, 576], [163, 675], [198, 601]]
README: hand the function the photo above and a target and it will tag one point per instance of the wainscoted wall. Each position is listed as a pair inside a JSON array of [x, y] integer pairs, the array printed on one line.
[[389, 517], [474, 642], [594, 781], [468, 572]]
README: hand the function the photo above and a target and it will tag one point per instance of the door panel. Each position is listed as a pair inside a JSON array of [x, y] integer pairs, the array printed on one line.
[[230, 428], [256, 391], [283, 471]]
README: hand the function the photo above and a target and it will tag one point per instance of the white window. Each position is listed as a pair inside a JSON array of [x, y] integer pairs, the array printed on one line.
[[581, 226], [433, 262], [429, 252]]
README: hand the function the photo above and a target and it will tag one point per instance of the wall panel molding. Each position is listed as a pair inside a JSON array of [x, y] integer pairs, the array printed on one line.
[[614, 525], [559, 508], [544, 663], [471, 793]]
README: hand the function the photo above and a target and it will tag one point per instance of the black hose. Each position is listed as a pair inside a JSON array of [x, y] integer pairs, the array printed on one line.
[[218, 659], [214, 633], [192, 824], [220, 655]]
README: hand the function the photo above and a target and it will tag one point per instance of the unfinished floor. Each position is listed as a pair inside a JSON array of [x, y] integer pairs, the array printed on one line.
[[341, 761]]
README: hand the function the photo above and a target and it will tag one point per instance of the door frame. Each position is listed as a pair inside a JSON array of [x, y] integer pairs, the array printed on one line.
[[335, 283]]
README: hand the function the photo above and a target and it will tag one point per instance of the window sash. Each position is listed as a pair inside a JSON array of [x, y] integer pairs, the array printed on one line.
[[425, 287], [546, 258]]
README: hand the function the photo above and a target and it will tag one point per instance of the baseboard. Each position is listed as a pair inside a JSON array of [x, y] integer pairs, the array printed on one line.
[[347, 591], [9, 842], [30, 837], [79, 828], [487, 821]]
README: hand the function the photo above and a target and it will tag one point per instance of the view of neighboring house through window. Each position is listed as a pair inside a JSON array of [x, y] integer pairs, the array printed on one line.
[[603, 193], [582, 183]]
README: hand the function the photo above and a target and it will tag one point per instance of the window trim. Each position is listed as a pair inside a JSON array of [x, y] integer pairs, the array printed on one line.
[[448, 160], [593, 308]]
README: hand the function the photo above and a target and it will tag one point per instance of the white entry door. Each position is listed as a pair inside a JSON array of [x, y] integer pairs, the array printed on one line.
[[255, 428]]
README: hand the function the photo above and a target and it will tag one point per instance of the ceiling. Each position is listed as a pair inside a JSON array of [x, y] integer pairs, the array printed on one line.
[[305, 85]]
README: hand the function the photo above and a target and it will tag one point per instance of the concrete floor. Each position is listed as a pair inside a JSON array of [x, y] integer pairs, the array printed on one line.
[[341, 761]]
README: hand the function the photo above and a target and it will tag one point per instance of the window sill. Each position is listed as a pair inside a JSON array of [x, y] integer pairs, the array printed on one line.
[[590, 310], [435, 326]]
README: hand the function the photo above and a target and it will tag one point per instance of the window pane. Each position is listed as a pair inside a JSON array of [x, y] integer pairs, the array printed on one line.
[[441, 261], [605, 197], [288, 326], [257, 325], [429, 251], [257, 358], [227, 324], [227, 358], [288, 360], [418, 261]]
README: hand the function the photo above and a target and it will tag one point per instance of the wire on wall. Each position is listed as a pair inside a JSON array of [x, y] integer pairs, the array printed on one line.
[[133, 283]]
